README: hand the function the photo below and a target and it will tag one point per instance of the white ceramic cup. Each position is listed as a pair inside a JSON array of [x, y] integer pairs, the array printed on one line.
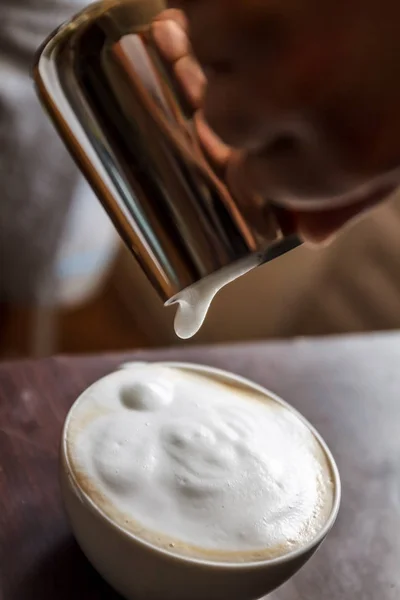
[[138, 570]]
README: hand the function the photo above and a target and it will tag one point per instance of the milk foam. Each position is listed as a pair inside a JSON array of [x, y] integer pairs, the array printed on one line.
[[198, 466], [194, 301]]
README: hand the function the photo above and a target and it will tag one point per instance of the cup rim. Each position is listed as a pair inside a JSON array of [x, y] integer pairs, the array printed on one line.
[[255, 564]]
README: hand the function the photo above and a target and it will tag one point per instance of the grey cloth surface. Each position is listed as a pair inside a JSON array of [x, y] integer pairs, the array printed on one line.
[[37, 176]]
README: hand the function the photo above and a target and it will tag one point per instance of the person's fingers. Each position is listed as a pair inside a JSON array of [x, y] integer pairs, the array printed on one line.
[[173, 14], [320, 228], [254, 181], [192, 79], [216, 151], [170, 36], [169, 32]]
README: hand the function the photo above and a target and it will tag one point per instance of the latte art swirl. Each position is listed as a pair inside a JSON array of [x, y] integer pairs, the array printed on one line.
[[191, 463]]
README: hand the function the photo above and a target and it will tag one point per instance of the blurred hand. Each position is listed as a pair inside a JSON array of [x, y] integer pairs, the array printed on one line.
[[303, 95]]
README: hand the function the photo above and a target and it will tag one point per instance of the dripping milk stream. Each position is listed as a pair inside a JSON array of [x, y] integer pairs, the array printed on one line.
[[194, 301]]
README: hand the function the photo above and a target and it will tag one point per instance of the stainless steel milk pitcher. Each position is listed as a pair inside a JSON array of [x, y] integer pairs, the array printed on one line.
[[124, 119]]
